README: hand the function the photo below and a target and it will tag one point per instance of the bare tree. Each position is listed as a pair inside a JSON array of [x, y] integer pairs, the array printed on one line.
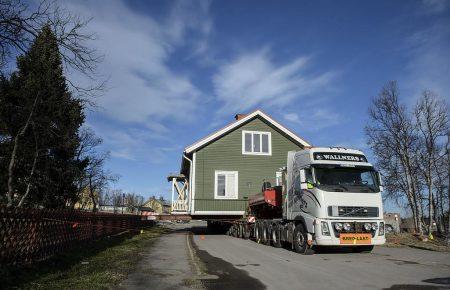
[[432, 123], [392, 136], [95, 178], [21, 22], [117, 198], [133, 201]]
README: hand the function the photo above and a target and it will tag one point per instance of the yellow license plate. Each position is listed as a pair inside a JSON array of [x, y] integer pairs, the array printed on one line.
[[355, 239]]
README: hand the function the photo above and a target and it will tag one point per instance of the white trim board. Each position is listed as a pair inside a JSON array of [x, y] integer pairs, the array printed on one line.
[[192, 204], [237, 123], [238, 212]]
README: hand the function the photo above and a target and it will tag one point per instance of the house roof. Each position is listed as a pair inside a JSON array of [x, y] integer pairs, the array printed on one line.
[[216, 135]]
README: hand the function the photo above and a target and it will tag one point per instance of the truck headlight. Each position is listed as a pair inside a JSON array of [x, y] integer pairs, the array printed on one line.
[[367, 227], [374, 226], [325, 229], [338, 227], [381, 231], [347, 227]]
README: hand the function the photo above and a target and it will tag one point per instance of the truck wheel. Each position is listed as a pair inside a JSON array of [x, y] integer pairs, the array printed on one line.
[[258, 233], [266, 233], [246, 232], [363, 249], [300, 239], [241, 231], [276, 236]]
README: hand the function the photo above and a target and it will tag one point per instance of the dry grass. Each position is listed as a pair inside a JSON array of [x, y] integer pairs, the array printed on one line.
[[410, 240], [99, 265]]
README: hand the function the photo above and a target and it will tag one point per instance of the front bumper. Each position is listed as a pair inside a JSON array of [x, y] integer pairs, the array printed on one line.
[[333, 240]]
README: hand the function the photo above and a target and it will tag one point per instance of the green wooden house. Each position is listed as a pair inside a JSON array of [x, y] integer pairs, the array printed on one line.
[[219, 172]]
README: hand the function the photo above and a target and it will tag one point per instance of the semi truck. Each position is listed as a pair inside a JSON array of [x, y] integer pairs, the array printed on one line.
[[328, 197]]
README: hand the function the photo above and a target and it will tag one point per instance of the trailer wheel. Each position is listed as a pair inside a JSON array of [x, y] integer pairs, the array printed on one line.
[[246, 232], [300, 239], [241, 231], [266, 233], [276, 236], [235, 231], [258, 233]]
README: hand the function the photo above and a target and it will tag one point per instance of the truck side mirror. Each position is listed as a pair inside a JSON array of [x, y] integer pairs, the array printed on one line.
[[380, 181]]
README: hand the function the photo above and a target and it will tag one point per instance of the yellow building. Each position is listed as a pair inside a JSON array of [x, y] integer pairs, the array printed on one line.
[[158, 205], [85, 201]]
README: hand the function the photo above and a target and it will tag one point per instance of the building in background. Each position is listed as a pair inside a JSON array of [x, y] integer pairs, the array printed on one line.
[[85, 201], [392, 222], [156, 206]]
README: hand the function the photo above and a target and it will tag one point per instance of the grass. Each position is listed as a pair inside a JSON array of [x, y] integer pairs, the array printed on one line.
[[410, 240], [97, 265]]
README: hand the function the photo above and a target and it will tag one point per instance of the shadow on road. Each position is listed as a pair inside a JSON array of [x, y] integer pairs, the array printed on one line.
[[228, 276]]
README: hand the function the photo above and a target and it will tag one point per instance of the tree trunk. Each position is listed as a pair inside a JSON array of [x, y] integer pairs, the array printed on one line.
[[448, 187], [430, 206], [12, 160], [33, 168], [92, 195]]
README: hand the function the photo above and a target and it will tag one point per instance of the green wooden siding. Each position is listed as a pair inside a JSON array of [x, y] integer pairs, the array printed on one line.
[[226, 154]]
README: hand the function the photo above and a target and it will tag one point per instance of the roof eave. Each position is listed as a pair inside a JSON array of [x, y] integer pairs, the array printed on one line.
[[236, 124]]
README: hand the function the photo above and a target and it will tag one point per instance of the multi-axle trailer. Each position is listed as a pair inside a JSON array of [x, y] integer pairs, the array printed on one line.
[[328, 197]]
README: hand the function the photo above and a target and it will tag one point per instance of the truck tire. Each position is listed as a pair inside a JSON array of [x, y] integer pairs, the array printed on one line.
[[276, 236], [241, 231], [363, 249], [258, 232], [300, 239], [246, 232], [266, 233], [234, 231]]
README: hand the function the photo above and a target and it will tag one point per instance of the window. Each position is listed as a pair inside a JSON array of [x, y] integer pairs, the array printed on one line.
[[347, 179], [256, 143], [308, 175], [226, 185]]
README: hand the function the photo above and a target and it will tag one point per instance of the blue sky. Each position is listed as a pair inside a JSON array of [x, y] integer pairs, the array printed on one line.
[[178, 70]]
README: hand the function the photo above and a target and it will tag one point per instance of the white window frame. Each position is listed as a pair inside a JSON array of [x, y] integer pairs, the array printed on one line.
[[236, 182], [269, 134]]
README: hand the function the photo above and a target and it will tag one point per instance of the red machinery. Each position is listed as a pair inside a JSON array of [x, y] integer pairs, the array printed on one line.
[[266, 204]]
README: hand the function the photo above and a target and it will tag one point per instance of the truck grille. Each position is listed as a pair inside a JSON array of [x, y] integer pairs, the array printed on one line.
[[353, 211]]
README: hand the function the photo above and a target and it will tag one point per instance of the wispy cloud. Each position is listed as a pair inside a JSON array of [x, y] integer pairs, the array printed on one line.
[[136, 145], [143, 88], [429, 59], [315, 119], [254, 80], [435, 6]]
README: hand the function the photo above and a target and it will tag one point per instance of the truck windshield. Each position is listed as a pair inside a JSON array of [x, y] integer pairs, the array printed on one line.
[[346, 179]]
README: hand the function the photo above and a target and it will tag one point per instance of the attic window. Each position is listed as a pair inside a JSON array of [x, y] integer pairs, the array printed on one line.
[[256, 143]]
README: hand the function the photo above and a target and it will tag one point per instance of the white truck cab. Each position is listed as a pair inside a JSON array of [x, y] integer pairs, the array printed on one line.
[[336, 193]]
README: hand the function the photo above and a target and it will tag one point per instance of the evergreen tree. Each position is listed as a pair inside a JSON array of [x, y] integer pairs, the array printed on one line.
[[40, 117]]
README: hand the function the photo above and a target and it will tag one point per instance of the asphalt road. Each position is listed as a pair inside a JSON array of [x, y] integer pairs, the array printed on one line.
[[190, 258], [271, 268]]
